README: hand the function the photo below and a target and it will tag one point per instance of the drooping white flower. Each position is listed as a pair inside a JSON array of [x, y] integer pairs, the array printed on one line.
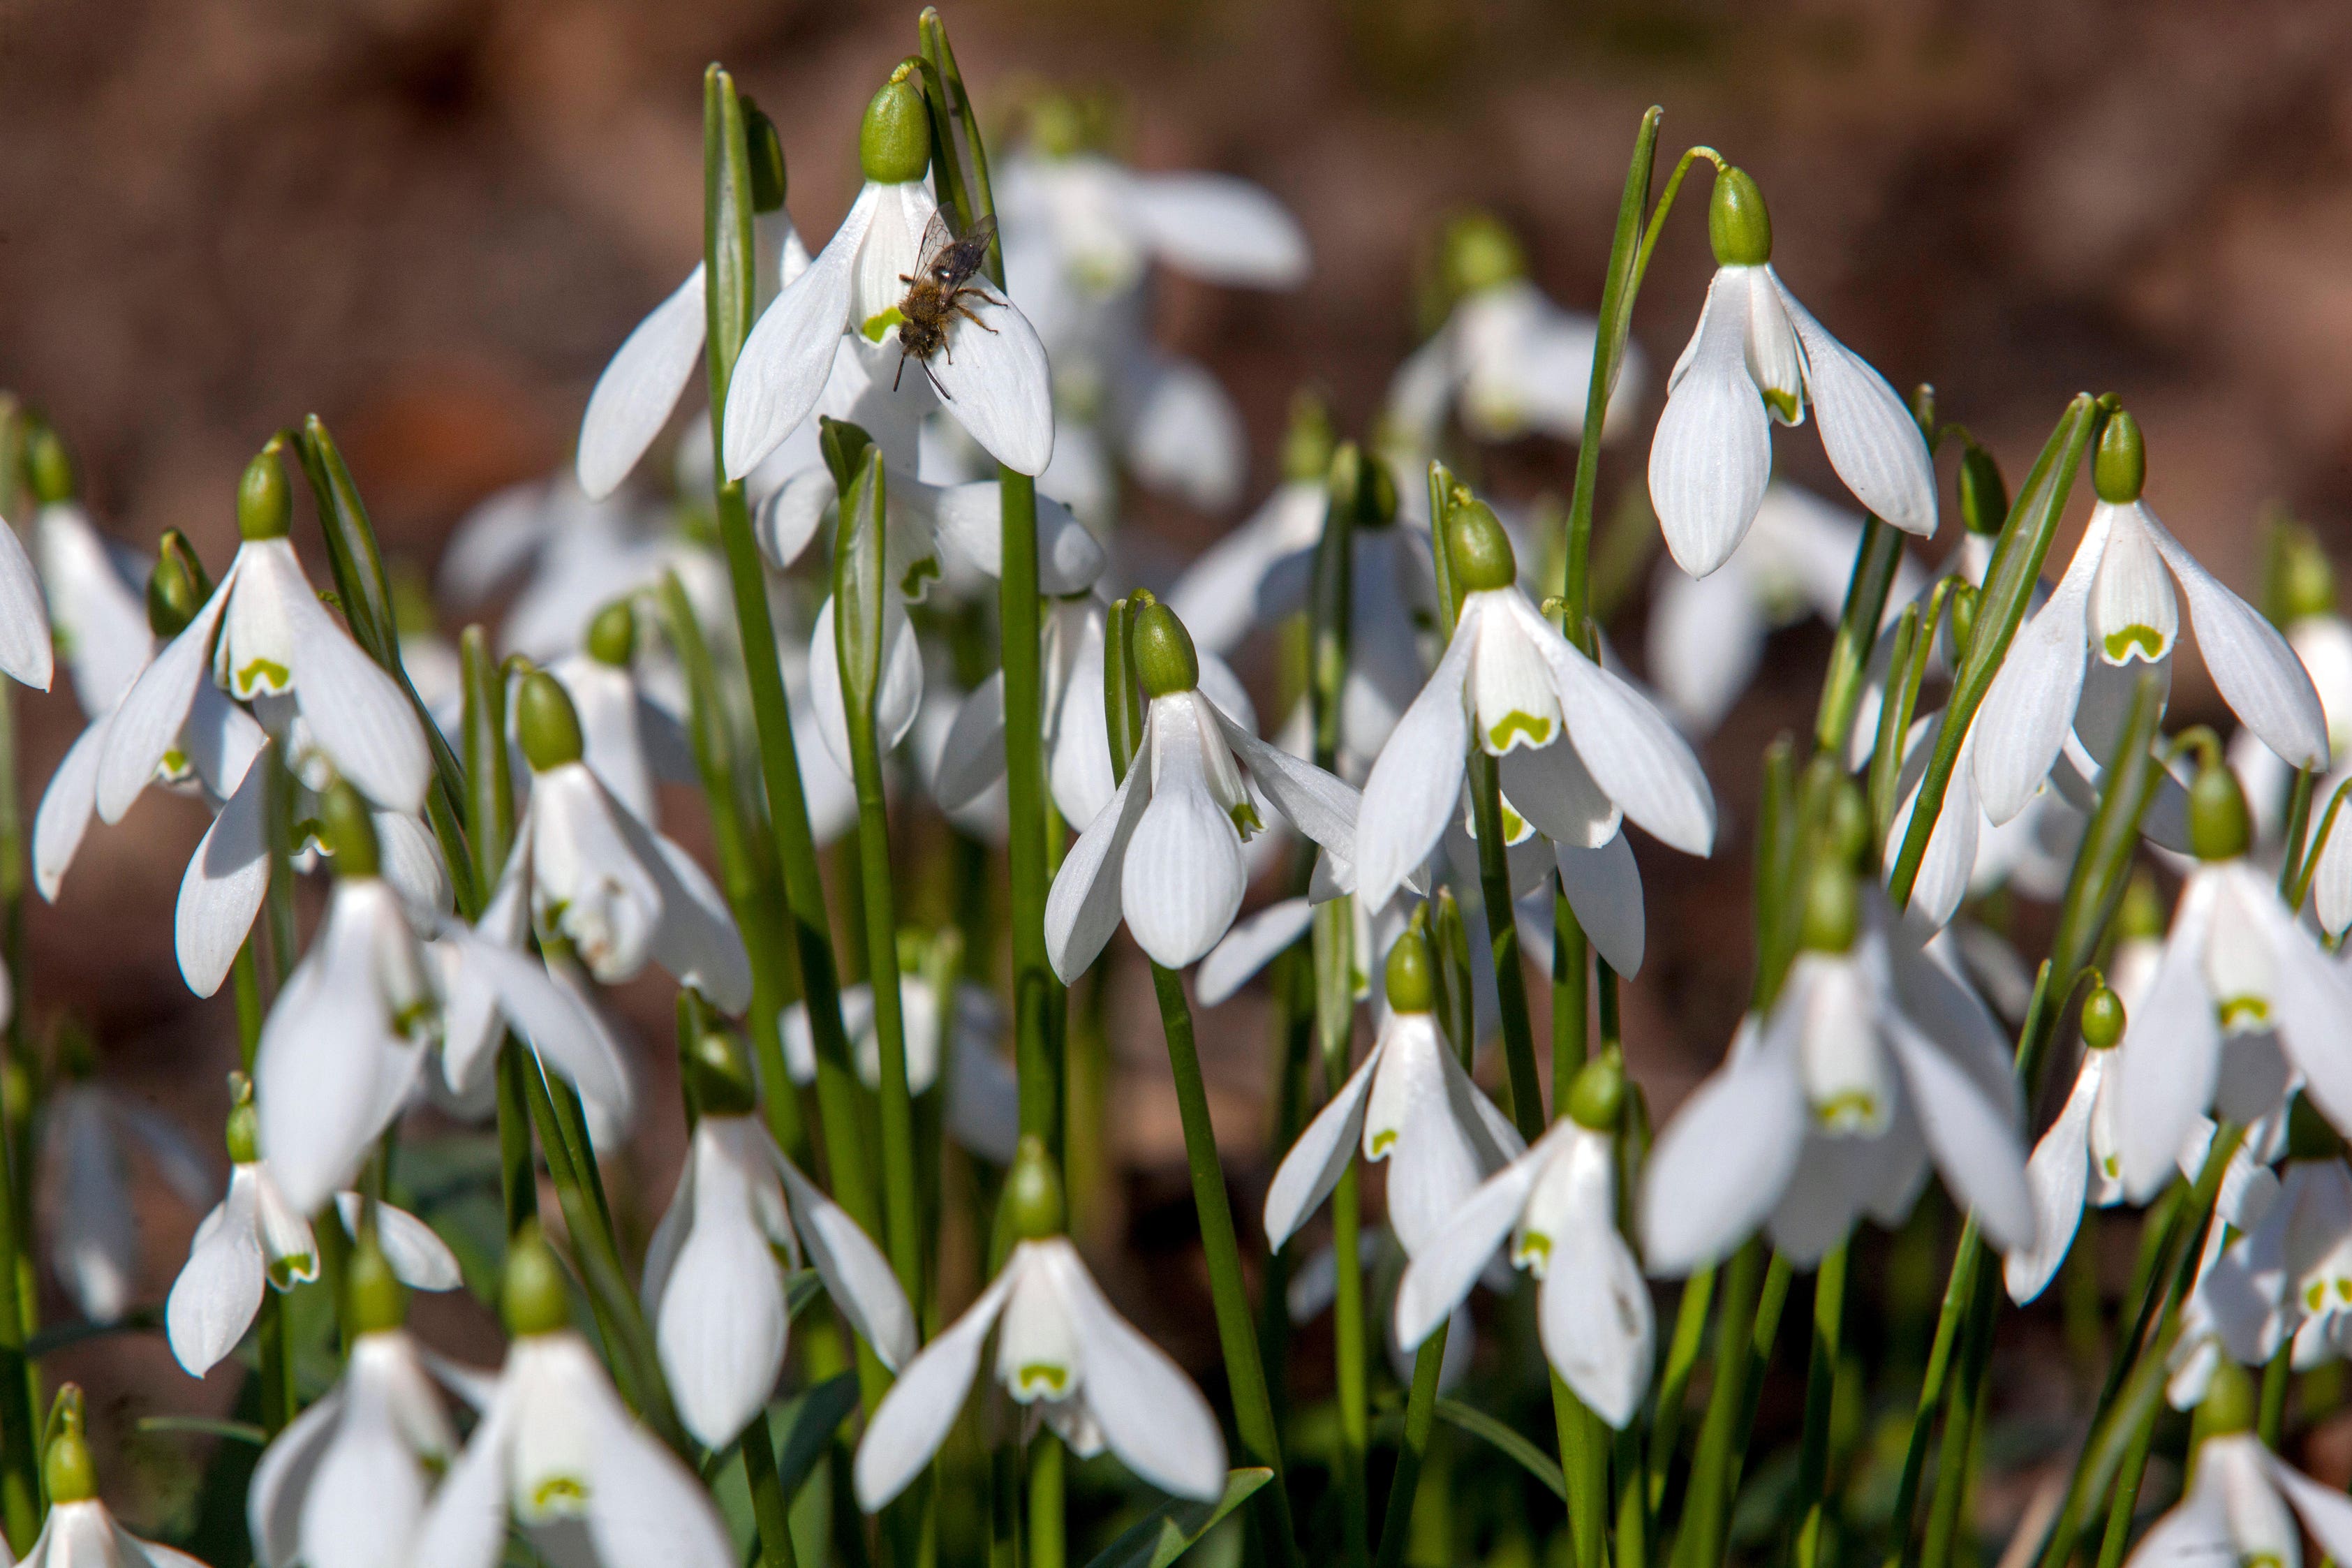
[[2079, 1159], [960, 1036], [2242, 1506], [714, 1272], [98, 611], [991, 369], [1756, 357], [2118, 601], [1557, 1204], [627, 739], [264, 635], [1166, 850], [1314, 1286], [1063, 1350], [86, 1134], [1510, 680], [1410, 1104], [1077, 755], [557, 1454], [1874, 1059], [2289, 1278], [79, 1531]]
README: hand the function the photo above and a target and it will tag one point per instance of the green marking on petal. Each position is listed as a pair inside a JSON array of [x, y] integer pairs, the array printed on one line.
[[1512, 824], [2253, 1012], [2315, 1296], [1850, 1111], [2120, 644], [916, 583], [1245, 820], [2112, 1165], [1383, 1140], [174, 766], [560, 1494], [298, 1268], [2344, 1289], [1784, 406], [876, 327], [1533, 1251], [1536, 731], [263, 675], [1043, 1375]]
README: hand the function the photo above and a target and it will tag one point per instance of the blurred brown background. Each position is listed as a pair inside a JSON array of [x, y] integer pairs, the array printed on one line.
[[432, 220]]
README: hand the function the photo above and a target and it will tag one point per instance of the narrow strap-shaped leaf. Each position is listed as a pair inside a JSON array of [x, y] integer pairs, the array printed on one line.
[[1170, 1531], [1530, 1458]]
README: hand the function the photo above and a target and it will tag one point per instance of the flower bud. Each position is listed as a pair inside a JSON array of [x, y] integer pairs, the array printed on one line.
[[177, 588], [843, 446], [2140, 916], [1481, 549], [378, 1301], [1960, 613], [2121, 469], [719, 1075], [1984, 497], [67, 1469], [547, 723], [264, 507], [613, 635], [49, 468], [1833, 916], [2218, 826], [1411, 984], [894, 144], [1032, 1191], [243, 1132], [1307, 444], [2309, 1134], [533, 1296], [1849, 824], [1479, 252], [2227, 1408], [1737, 224], [349, 831], [1596, 1096], [1164, 659], [764, 151], [2103, 1019]]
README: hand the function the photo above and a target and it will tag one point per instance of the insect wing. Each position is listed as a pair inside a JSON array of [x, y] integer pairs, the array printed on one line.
[[939, 238], [962, 258]]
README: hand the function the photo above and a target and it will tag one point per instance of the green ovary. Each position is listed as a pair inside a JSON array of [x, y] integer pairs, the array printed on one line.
[[2120, 644], [1536, 731]]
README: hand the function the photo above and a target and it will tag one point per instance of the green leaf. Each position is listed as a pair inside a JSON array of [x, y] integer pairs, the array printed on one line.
[[235, 1431], [1479, 1424], [806, 1425], [1170, 1531]]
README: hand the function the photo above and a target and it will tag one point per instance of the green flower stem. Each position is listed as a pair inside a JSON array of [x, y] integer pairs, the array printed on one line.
[[277, 1364], [1419, 1418], [2008, 593], [1673, 1383], [1874, 565], [1503, 937], [1048, 1522], [1584, 1467], [1770, 1302], [1633, 1498], [244, 980], [772, 1510], [2124, 1502], [1706, 1497], [1252, 1409], [2277, 1376], [489, 835], [2298, 824], [1571, 987], [1820, 1384], [1963, 1424], [1335, 1016], [1959, 1289]]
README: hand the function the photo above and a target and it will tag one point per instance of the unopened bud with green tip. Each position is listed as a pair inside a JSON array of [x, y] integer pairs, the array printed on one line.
[[1833, 916], [378, 1302], [49, 467], [2227, 1408], [68, 1471], [349, 831], [764, 151], [2120, 470], [1479, 549], [1307, 444], [1738, 224], [177, 587], [1033, 1193], [613, 635], [1961, 614], [894, 141], [1412, 979], [533, 1296], [1596, 1096], [2103, 1019], [546, 722], [1164, 657], [2309, 1134], [2220, 827], [721, 1075], [265, 505], [1984, 496]]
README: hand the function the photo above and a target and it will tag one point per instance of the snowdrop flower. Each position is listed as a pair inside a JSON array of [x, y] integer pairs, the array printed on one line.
[[1077, 755], [264, 635], [345, 1038], [1557, 1204], [1410, 1103], [1757, 357], [1061, 1350], [2236, 968], [27, 654], [1217, 598], [1875, 1059], [2299, 598], [1165, 851], [1707, 634], [992, 371], [2078, 1159], [641, 385], [79, 1531], [2243, 1501], [714, 1272], [619, 727], [1510, 679], [345, 1485], [1314, 1287], [558, 1454], [1509, 360], [93, 1226], [2118, 599], [254, 1236], [616, 892], [98, 618], [2289, 1276]]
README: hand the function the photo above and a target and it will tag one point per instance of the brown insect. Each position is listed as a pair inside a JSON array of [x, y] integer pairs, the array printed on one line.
[[937, 289]]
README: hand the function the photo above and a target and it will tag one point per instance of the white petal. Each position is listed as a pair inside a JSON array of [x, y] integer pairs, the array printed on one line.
[[1554, 790], [970, 520], [1597, 1324], [1249, 947], [1705, 639], [1082, 907], [1435, 1282], [2022, 725], [1713, 451], [1221, 597], [696, 939], [367, 1494], [1945, 870], [856, 1274], [785, 360], [914, 1417], [467, 1525], [419, 1259], [319, 1074], [1720, 1166], [1410, 795], [222, 889], [1972, 1135], [2171, 1049], [2195, 1534], [972, 758], [2059, 1174], [897, 701], [2258, 674], [1873, 442], [1183, 436], [1315, 1163], [644, 1506], [65, 808], [1630, 748], [993, 373], [640, 386], [2313, 998], [789, 519], [557, 1023], [26, 654], [1151, 1416], [358, 714], [1604, 889], [148, 724], [1318, 803], [2326, 1512], [1218, 227], [721, 1325], [213, 1300], [1183, 879], [221, 740], [273, 1506]]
